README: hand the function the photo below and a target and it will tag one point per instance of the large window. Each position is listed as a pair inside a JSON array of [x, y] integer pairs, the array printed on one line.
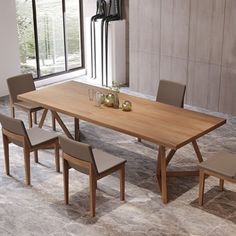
[[49, 33]]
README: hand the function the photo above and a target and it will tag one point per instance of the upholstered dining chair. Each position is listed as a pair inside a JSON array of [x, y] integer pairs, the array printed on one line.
[[22, 84], [14, 131], [222, 166], [171, 93], [93, 162]]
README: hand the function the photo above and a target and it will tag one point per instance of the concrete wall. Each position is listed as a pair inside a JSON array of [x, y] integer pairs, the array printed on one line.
[[190, 41], [9, 53]]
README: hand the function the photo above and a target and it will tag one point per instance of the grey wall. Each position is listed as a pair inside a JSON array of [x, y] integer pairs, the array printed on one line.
[[190, 41]]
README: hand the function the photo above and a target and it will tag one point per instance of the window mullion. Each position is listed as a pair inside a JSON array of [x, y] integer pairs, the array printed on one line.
[[36, 37], [64, 32]]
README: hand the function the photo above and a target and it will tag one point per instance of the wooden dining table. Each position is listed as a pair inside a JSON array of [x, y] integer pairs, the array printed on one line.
[[167, 126]]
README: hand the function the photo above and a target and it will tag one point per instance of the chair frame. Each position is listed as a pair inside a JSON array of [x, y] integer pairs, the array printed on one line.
[[202, 176], [13, 106], [93, 178], [7, 136], [13, 113]]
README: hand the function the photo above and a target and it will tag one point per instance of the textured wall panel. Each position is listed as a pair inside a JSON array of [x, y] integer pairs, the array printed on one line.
[[206, 31], [203, 85], [175, 28], [144, 22]]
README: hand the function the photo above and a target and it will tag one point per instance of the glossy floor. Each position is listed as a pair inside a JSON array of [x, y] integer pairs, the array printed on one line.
[[40, 210]]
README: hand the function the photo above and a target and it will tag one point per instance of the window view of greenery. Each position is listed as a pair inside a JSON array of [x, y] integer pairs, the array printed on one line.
[[25, 28], [51, 40], [50, 36], [73, 33]]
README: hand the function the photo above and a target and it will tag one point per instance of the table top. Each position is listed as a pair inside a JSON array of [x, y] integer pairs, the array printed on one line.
[[156, 122]]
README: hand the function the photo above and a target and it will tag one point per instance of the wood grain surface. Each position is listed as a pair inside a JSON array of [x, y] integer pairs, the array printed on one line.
[[156, 122]]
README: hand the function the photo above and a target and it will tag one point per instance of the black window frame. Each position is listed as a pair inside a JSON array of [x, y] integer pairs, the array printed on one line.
[[81, 18]]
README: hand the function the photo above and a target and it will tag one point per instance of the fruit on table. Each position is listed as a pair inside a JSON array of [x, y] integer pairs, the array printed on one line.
[[109, 100], [126, 106]]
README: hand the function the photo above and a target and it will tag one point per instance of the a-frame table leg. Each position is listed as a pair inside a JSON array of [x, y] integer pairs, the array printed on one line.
[[197, 151], [43, 118]]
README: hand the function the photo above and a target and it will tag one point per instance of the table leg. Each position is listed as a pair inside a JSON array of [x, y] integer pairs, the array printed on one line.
[[60, 122], [170, 155], [53, 123], [162, 152], [197, 151], [43, 118], [158, 171], [77, 136], [168, 159]]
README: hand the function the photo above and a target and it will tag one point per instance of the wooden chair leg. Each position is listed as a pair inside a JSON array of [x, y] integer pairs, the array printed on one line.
[[30, 119], [27, 164], [13, 113], [6, 153], [53, 122], [57, 156], [35, 117], [92, 186], [36, 159], [122, 182], [221, 184], [201, 187], [66, 181]]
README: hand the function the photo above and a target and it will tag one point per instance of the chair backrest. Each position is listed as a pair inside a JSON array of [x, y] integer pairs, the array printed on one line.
[[171, 93], [80, 151], [14, 126], [20, 84]]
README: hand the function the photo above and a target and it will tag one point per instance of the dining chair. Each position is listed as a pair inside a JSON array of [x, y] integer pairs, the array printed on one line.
[[33, 139], [171, 93], [22, 84], [93, 162], [222, 166]]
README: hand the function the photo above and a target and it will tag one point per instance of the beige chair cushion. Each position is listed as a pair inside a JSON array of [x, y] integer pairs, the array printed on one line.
[[39, 136], [222, 163], [102, 161], [105, 161], [28, 106]]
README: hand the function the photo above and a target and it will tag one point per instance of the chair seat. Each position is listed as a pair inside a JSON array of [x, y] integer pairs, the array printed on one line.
[[105, 161], [28, 106], [222, 163], [39, 136]]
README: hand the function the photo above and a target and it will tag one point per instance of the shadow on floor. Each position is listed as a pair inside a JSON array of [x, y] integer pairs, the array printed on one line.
[[141, 171], [78, 208], [219, 203]]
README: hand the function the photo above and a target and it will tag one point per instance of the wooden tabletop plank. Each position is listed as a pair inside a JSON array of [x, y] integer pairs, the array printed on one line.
[[159, 123]]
